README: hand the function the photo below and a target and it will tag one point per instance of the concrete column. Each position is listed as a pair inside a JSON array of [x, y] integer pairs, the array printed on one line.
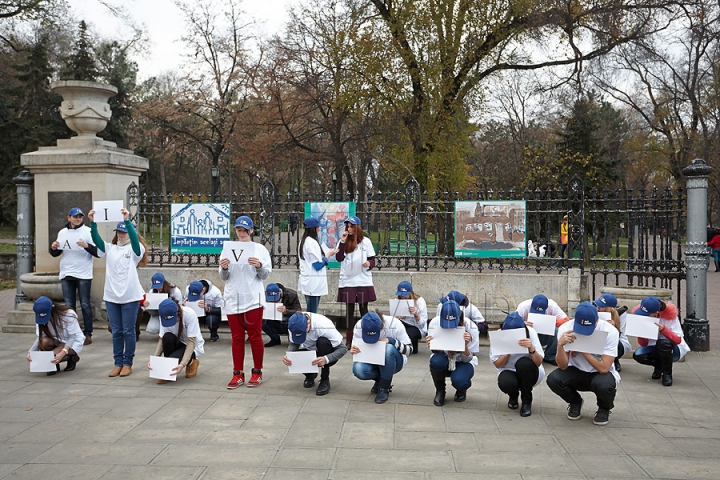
[[25, 229], [697, 328]]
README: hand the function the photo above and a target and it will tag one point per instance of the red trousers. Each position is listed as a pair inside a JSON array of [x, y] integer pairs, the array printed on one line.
[[239, 322]]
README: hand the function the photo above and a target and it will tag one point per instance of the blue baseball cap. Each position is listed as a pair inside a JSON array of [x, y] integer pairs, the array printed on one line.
[[297, 328], [648, 306], [42, 308], [195, 290], [121, 227], [75, 211], [586, 316], [371, 324], [404, 288], [272, 292], [244, 222], [457, 297], [512, 321], [450, 314], [157, 281], [539, 304], [168, 312], [311, 222], [353, 220], [606, 300]]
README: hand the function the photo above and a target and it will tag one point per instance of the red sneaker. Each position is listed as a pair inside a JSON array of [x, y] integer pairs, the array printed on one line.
[[255, 378], [237, 380]]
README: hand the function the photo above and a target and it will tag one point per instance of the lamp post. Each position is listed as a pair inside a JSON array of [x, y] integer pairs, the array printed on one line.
[[334, 180], [215, 172]]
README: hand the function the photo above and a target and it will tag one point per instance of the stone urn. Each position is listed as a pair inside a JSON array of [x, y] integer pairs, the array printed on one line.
[[85, 106], [38, 284]]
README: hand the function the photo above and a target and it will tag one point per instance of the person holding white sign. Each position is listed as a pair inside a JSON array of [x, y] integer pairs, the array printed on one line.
[[519, 373], [585, 372], [74, 243], [311, 331], [243, 304], [357, 255], [276, 292], [58, 331], [210, 299], [542, 305], [459, 366], [470, 311], [670, 345], [373, 328], [123, 291], [158, 284], [618, 317], [416, 324], [313, 265], [180, 338]]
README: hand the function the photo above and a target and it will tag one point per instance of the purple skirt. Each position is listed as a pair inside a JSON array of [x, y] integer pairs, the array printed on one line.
[[356, 294]]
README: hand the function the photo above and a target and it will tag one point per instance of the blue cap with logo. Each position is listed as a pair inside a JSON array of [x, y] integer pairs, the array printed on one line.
[[456, 297], [371, 324], [157, 281], [353, 220], [168, 312], [297, 328], [121, 227], [244, 222], [586, 316], [450, 314], [272, 292], [195, 291], [514, 320], [42, 308], [648, 306], [75, 211], [403, 289], [539, 304], [311, 222], [606, 300]]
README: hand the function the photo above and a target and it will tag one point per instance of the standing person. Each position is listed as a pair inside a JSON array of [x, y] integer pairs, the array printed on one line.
[[670, 345], [76, 268], [357, 255], [180, 338], [313, 265], [210, 299], [714, 245], [276, 292], [311, 331], [123, 291], [563, 236], [470, 311], [618, 318], [243, 304], [459, 366], [415, 325], [158, 284], [542, 305], [519, 373], [373, 328], [585, 372], [58, 331]]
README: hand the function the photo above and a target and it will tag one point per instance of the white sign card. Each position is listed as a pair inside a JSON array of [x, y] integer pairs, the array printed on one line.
[[594, 343], [199, 311], [542, 324], [42, 362], [238, 252], [450, 339], [372, 353], [162, 366], [640, 326], [68, 239], [270, 311], [108, 211], [503, 342], [302, 361], [155, 299], [401, 307], [604, 316]]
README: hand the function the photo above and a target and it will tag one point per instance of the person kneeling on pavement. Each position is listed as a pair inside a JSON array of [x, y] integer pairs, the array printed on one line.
[[210, 299], [58, 331], [276, 292], [312, 331], [180, 338]]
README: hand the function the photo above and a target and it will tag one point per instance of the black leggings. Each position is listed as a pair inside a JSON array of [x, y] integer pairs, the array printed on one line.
[[350, 313], [173, 348]]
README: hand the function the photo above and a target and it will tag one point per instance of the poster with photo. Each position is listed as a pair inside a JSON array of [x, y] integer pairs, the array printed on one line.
[[199, 227], [331, 216], [490, 229]]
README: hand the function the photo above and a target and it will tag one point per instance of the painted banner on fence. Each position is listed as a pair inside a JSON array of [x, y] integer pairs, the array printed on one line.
[[332, 216], [493, 228], [199, 227]]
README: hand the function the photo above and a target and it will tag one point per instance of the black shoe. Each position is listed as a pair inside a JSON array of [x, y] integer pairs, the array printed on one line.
[[617, 365], [657, 373], [574, 410], [513, 403], [384, 389], [374, 388], [215, 338], [460, 395], [667, 379], [323, 387], [602, 417], [71, 362], [439, 399], [50, 374], [272, 342], [309, 381], [526, 410]]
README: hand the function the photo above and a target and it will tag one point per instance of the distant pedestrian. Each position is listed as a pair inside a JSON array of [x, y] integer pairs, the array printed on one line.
[[563, 237]]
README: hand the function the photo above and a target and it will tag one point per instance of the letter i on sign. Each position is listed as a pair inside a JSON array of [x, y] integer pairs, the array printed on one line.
[[106, 217]]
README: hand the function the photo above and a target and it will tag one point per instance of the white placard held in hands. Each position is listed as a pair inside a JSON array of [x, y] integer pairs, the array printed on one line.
[[594, 343], [154, 299], [270, 311], [401, 307], [503, 342], [42, 362], [108, 211], [199, 311], [238, 252], [68, 239], [372, 353], [604, 316], [640, 326], [302, 361], [162, 366], [449, 339], [542, 324]]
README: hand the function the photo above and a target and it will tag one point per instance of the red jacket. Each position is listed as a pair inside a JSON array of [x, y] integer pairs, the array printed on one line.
[[669, 314]]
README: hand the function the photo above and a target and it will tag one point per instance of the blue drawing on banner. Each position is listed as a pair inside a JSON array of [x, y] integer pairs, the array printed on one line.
[[200, 224]]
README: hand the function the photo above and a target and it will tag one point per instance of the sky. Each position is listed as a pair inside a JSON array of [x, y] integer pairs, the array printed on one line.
[[163, 23]]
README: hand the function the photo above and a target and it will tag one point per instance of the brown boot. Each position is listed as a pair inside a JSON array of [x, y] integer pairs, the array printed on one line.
[[126, 370], [115, 372], [191, 370], [161, 381]]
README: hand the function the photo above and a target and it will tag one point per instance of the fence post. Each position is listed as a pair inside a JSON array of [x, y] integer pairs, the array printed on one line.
[[697, 328], [26, 222]]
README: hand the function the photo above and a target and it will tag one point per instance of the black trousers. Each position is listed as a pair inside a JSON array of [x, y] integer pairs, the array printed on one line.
[[415, 335], [323, 347], [567, 383], [173, 348], [275, 328], [521, 381]]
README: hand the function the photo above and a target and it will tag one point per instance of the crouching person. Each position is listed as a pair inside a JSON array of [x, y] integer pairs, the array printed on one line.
[[58, 331], [391, 331], [312, 331], [180, 338]]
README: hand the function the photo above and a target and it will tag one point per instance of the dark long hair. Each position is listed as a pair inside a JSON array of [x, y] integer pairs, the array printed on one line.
[[167, 288], [55, 320], [352, 241], [308, 232]]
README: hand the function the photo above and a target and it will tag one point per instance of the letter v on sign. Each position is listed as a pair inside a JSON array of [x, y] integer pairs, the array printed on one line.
[[237, 257]]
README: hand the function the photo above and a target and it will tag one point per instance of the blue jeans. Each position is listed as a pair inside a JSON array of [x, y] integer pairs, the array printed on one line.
[[69, 286], [393, 364], [122, 317], [312, 303], [460, 377]]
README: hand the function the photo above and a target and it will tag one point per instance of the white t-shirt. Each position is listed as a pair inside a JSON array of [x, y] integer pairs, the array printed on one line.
[[320, 326], [77, 262], [553, 308], [312, 282], [122, 284], [352, 273], [422, 313], [623, 338], [191, 328], [471, 328], [510, 365], [610, 348], [392, 327], [71, 335], [244, 290]]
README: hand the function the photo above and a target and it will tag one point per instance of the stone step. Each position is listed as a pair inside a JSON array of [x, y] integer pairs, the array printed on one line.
[[18, 329], [21, 318]]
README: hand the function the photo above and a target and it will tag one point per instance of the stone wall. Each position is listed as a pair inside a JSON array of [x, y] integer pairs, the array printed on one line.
[[8, 266]]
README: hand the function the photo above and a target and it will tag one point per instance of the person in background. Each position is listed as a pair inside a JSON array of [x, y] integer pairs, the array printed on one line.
[[76, 268], [313, 265], [158, 284], [714, 245], [618, 318], [542, 305], [58, 331], [276, 292], [415, 325], [180, 338], [210, 299], [470, 311], [563, 236]]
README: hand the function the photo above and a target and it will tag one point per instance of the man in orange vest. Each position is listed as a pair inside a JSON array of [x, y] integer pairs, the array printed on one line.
[[563, 236]]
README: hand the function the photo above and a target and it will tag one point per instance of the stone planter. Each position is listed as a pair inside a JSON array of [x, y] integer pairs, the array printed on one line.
[[38, 284], [85, 108]]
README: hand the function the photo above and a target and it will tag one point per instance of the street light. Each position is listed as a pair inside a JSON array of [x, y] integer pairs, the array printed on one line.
[[215, 172]]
